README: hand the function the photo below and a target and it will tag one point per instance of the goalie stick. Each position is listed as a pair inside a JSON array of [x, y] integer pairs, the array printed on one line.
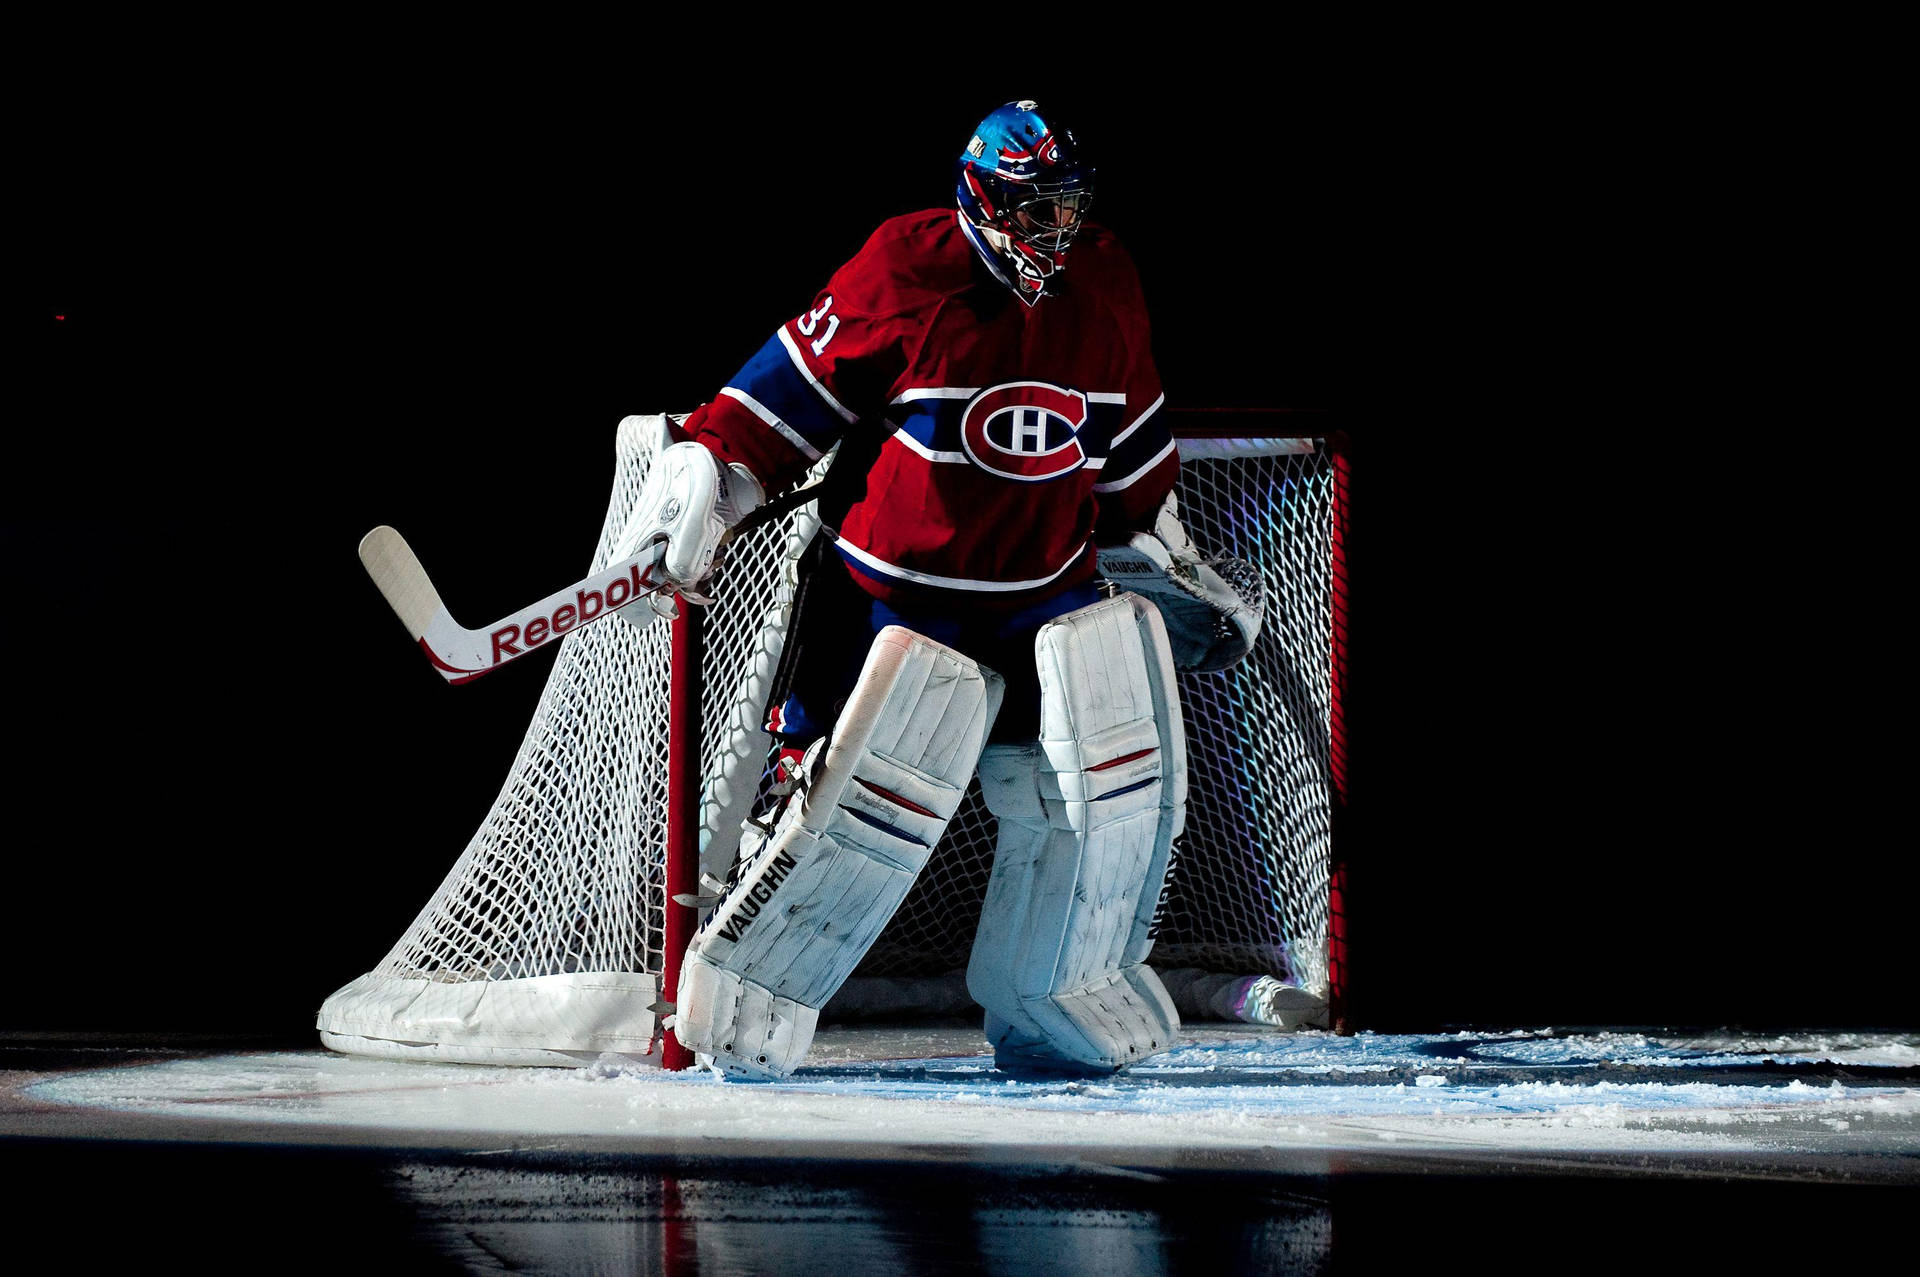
[[462, 655]]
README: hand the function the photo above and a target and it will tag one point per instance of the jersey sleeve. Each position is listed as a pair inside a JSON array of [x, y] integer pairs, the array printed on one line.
[[820, 372], [1142, 463]]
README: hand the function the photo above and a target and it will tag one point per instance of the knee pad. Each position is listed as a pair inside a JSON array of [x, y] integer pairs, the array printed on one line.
[[1087, 817], [843, 855]]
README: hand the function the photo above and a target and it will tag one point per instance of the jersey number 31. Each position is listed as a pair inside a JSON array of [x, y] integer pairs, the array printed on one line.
[[811, 320]]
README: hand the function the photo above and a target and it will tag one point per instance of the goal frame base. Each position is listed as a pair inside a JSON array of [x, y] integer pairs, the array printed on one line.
[[566, 1019]]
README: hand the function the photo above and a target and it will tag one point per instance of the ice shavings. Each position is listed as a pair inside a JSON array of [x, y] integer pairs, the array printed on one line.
[[1225, 1091]]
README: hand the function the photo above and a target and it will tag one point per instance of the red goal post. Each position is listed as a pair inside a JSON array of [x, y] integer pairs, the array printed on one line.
[[555, 934]]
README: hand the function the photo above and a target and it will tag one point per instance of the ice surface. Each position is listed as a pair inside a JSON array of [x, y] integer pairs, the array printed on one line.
[[1245, 1093]]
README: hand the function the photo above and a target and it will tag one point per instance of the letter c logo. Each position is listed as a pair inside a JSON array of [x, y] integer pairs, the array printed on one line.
[[1027, 431]]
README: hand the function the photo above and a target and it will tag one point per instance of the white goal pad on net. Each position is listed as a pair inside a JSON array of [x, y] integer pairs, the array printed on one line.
[[548, 941]]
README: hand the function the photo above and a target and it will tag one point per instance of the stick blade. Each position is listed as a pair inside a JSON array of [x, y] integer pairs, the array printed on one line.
[[394, 567]]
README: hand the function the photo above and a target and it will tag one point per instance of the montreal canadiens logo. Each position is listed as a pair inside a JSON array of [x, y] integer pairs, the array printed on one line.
[[1027, 431], [1016, 159]]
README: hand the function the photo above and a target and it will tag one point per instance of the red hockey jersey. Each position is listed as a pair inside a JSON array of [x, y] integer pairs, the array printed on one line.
[[1014, 436]]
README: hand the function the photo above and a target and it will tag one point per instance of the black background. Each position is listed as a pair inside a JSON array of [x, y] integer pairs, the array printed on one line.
[[1609, 663]]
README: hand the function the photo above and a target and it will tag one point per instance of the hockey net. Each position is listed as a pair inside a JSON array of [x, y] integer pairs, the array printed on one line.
[[547, 943]]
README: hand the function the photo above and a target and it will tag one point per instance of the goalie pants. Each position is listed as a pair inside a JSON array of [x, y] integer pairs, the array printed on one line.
[[838, 626]]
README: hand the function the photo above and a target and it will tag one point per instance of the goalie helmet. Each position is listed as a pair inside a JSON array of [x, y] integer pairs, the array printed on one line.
[[1024, 188]]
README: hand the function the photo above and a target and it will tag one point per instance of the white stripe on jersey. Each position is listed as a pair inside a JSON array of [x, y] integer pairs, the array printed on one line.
[[953, 582], [760, 410], [1135, 477], [793, 353], [937, 392], [950, 458], [1135, 424], [968, 392]]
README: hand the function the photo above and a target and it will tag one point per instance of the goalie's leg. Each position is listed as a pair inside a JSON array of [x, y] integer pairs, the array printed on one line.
[[845, 852], [1087, 822]]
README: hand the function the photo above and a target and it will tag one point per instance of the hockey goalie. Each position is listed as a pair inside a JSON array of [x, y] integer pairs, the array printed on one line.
[[986, 373]]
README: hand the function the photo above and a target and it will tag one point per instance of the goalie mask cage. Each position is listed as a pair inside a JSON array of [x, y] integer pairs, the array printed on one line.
[[554, 935]]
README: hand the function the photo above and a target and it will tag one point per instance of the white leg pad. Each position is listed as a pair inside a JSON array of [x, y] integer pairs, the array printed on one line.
[[842, 858], [1087, 821]]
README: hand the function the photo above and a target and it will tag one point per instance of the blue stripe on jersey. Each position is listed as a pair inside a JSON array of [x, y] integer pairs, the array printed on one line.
[[782, 390], [934, 424], [1138, 450]]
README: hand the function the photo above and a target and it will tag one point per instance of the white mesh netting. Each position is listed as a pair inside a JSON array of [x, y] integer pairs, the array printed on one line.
[[545, 942]]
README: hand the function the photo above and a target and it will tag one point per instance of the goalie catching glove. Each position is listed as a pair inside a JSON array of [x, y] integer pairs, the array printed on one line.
[[685, 508], [1213, 607]]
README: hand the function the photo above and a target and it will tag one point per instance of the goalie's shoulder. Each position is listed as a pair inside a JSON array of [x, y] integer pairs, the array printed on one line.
[[1104, 286], [1102, 263], [909, 261], [1097, 250]]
